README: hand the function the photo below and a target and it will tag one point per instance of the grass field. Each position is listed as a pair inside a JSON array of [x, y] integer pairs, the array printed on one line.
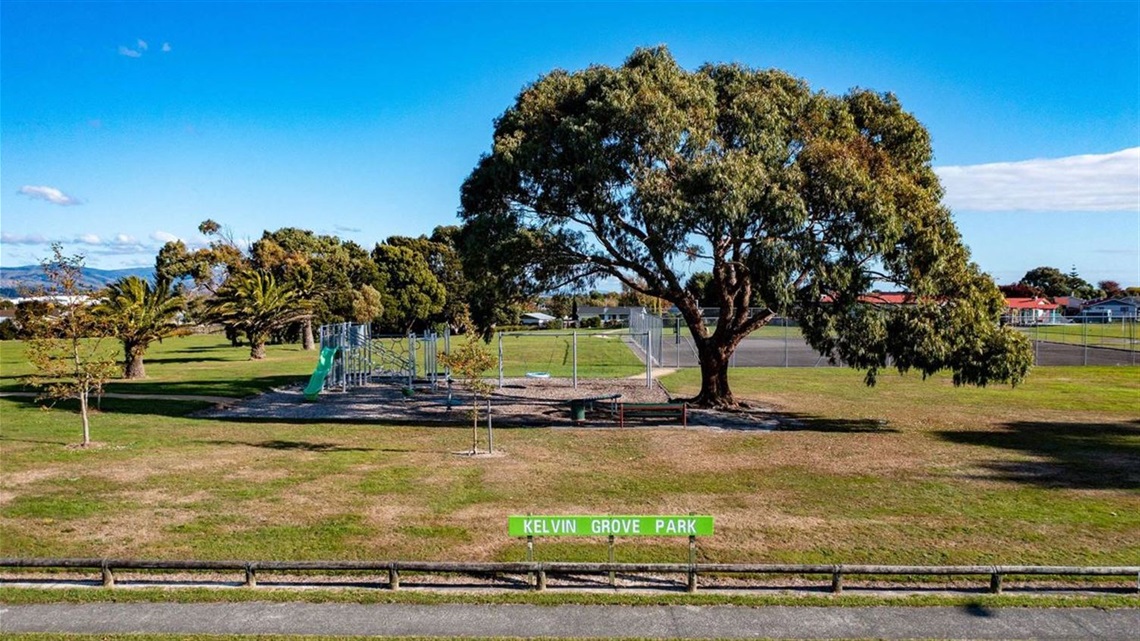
[[907, 472], [202, 365], [601, 354], [207, 365], [1115, 335]]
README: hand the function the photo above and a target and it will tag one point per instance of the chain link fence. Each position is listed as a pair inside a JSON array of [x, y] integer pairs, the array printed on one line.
[[780, 344]]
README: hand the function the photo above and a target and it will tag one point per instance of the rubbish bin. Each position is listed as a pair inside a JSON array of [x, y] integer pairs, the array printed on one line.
[[578, 411]]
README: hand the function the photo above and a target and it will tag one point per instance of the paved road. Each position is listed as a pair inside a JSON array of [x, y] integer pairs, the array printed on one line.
[[773, 352], [693, 622]]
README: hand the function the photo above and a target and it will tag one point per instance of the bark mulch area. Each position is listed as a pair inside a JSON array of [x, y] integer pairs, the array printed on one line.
[[522, 402]]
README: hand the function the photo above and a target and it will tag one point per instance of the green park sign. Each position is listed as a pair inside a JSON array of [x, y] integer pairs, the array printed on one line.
[[675, 525]]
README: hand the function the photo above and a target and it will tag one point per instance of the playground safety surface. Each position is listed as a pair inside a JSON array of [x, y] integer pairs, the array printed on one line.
[[520, 402]]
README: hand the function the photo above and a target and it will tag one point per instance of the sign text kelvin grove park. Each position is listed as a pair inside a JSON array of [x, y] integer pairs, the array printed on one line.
[[610, 525]]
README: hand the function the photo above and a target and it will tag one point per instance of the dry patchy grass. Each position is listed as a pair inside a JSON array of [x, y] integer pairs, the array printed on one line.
[[908, 472]]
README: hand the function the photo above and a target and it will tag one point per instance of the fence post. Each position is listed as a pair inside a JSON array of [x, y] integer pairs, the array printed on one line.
[[677, 341], [1085, 340], [785, 341], [1037, 344], [393, 577], [250, 575], [540, 579], [648, 358], [691, 585], [575, 343], [108, 575], [995, 582], [610, 557], [500, 360], [837, 580]]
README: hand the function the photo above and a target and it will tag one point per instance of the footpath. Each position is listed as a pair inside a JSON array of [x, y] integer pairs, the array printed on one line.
[[574, 621]]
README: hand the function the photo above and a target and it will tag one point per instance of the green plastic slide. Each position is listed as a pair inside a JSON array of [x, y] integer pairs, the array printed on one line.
[[317, 380]]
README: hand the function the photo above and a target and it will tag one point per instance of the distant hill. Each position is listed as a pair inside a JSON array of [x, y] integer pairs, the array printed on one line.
[[15, 280]]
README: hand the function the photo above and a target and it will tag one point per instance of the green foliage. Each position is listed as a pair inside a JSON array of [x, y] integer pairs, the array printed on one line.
[[443, 260], [367, 304], [209, 267], [1051, 282], [410, 292], [139, 314], [700, 285], [254, 303], [66, 349], [793, 196], [323, 270]]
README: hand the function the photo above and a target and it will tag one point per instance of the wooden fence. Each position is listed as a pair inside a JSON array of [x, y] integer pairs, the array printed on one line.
[[537, 572]]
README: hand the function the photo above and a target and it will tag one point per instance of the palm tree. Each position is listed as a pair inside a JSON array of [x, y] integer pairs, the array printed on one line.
[[139, 314], [255, 303]]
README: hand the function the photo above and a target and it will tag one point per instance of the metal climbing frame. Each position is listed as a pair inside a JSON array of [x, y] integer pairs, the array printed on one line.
[[364, 358]]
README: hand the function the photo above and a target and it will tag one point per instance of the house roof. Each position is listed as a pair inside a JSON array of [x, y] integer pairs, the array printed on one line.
[[539, 316], [590, 309], [1131, 301], [1030, 303]]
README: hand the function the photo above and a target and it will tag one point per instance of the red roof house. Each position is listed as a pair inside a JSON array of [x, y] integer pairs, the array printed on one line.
[[1031, 311]]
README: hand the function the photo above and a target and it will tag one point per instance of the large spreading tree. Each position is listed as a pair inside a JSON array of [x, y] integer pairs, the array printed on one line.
[[796, 201]]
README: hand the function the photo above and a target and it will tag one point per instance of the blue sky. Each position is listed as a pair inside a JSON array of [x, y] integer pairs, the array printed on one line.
[[123, 125]]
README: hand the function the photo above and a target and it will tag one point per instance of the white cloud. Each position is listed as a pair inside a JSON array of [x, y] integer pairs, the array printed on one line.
[[90, 239], [22, 239], [142, 45], [50, 194], [163, 237], [128, 52], [124, 239], [1087, 183], [166, 47]]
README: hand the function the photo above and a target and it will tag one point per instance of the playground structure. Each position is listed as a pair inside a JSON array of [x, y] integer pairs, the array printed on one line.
[[351, 356]]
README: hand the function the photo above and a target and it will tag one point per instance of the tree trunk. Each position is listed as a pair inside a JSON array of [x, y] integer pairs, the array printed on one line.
[[256, 349], [133, 367], [475, 424], [714, 375], [307, 342], [83, 414]]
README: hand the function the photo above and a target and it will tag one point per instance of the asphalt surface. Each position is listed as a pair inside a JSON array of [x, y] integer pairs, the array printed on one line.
[[775, 352], [680, 622]]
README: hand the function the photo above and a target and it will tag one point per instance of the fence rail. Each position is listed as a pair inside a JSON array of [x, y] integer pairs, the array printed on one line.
[[539, 571]]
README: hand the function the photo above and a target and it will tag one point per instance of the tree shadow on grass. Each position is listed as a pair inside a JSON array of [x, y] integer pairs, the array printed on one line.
[[796, 422], [236, 388], [172, 409], [174, 360], [1097, 456], [299, 446]]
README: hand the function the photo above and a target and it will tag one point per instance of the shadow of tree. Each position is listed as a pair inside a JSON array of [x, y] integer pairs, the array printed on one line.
[[174, 409], [1072, 455], [300, 446], [796, 422], [236, 388]]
